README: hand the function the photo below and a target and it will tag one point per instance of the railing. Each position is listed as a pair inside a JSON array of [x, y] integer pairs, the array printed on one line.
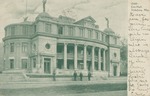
[[80, 57], [89, 57], [96, 58], [70, 56], [60, 55]]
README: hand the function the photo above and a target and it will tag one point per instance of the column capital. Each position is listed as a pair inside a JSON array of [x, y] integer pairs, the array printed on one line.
[[65, 43], [76, 44], [93, 46], [85, 45]]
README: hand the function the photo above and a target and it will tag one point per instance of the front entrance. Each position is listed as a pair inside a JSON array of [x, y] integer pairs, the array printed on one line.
[[115, 70], [47, 63]]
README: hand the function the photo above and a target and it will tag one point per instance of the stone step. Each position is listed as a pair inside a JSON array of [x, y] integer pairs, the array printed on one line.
[[12, 77]]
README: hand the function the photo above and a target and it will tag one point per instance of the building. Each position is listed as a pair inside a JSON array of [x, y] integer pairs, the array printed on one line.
[[61, 44], [1, 57]]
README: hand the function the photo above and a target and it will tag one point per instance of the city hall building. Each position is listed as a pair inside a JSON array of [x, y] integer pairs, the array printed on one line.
[[61, 44]]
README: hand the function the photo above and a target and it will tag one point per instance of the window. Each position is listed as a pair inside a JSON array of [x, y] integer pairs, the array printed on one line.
[[11, 47], [11, 63], [34, 47], [24, 63], [71, 31], [48, 28], [12, 31], [81, 32], [60, 30], [24, 30], [96, 35], [102, 37], [24, 47], [47, 46], [89, 33], [34, 62]]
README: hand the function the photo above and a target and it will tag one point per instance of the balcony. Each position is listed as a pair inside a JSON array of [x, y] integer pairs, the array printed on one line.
[[70, 56], [89, 58], [60, 55], [96, 58], [80, 57]]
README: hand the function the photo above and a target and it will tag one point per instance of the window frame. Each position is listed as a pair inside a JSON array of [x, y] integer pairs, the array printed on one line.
[[12, 47]]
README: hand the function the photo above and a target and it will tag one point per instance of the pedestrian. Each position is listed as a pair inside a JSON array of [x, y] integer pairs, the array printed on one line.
[[81, 75], [89, 76], [75, 76], [54, 75]]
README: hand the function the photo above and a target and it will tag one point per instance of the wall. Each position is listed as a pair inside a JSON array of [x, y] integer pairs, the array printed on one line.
[[1, 56]]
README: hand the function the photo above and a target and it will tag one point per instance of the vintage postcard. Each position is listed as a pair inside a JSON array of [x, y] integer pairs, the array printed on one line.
[[74, 48]]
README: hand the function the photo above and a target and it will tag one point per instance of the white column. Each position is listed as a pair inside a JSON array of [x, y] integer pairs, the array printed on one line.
[[65, 55], [99, 59], [104, 63], [75, 56], [85, 58], [93, 59]]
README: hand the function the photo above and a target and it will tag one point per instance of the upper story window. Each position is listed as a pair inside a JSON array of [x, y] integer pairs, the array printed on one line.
[[12, 30], [90, 34], [48, 28], [24, 47], [60, 29], [102, 37], [11, 47], [24, 30], [34, 47], [81, 32], [96, 34], [71, 31]]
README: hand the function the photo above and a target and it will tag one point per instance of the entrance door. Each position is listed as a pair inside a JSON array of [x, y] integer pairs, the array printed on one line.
[[47, 63], [115, 70]]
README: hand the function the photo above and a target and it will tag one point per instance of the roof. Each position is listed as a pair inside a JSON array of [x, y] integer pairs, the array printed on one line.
[[109, 31], [43, 15], [89, 18]]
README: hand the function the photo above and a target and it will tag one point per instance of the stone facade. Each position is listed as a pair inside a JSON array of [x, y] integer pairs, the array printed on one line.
[[61, 44]]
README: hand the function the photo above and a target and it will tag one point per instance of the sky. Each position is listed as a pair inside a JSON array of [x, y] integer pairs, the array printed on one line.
[[14, 11]]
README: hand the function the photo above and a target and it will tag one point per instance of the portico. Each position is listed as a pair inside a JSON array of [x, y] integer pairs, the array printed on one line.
[[81, 57]]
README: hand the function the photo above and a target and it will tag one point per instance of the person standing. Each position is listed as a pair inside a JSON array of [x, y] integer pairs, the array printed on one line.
[[81, 75], [89, 76], [75, 76]]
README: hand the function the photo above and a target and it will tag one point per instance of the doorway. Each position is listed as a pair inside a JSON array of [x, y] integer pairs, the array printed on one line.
[[47, 63], [115, 70]]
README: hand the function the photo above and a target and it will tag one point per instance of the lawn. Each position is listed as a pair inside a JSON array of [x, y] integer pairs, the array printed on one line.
[[65, 90]]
